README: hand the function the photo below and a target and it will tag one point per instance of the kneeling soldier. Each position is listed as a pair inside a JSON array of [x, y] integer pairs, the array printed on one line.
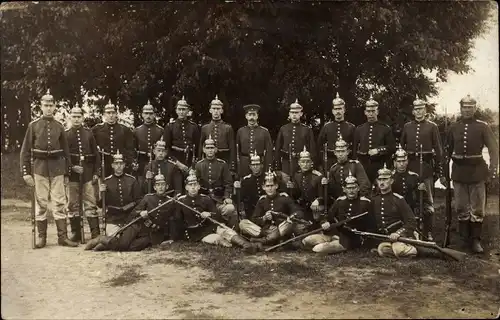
[[152, 231], [198, 227], [262, 224], [345, 207]]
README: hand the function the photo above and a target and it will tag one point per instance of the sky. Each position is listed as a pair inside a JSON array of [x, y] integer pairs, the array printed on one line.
[[482, 82]]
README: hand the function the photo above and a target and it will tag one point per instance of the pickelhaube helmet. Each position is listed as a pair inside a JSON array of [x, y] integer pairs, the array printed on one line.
[[251, 107], [340, 144], [468, 101], [182, 103], [338, 101], [270, 177], [255, 158], [160, 144], [304, 154], [76, 110], [295, 106], [371, 102], [47, 97], [384, 172], [159, 177], [400, 154], [350, 179], [109, 107], [118, 157], [216, 101], [191, 177], [209, 142], [418, 102], [148, 107]]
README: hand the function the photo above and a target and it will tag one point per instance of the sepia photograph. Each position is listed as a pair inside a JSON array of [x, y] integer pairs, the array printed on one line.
[[250, 160]]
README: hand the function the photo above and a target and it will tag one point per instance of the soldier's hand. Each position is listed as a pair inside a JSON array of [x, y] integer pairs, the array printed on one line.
[[135, 166], [315, 205], [182, 166], [149, 175], [325, 226], [95, 178], [29, 180], [102, 187], [421, 186], [205, 214], [237, 184], [228, 201], [144, 213], [443, 181], [373, 152], [324, 181], [289, 185], [77, 169], [268, 216], [394, 236]]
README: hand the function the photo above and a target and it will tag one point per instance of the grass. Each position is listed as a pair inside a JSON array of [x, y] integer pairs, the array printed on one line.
[[13, 186]]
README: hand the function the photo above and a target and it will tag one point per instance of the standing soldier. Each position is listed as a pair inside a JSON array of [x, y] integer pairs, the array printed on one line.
[[145, 137], [253, 138], [221, 132], [45, 165], [112, 137], [333, 130], [422, 133], [86, 160], [182, 136], [466, 140], [374, 142], [291, 140]]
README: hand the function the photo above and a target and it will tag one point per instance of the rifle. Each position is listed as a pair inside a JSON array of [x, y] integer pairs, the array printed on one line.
[[454, 254], [302, 236], [448, 194], [103, 193], [33, 204], [150, 188], [421, 194], [290, 166], [238, 193], [298, 220], [325, 169], [193, 162], [80, 200]]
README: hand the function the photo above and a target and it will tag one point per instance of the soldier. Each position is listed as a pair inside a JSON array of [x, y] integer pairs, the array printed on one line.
[[292, 137], [216, 182], [86, 160], [409, 184], [345, 207], [122, 194], [182, 136], [306, 188], [198, 227], [45, 165], [222, 133], [112, 137], [253, 138], [333, 130], [373, 142], [151, 231], [465, 140], [422, 133], [338, 172], [167, 167], [266, 227], [145, 137]]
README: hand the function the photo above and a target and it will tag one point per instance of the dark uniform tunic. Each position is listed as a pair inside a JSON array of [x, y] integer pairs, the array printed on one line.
[[330, 134], [172, 174], [251, 191], [223, 135], [307, 188], [339, 172], [406, 184], [215, 178], [46, 137], [145, 137], [374, 135], [113, 137], [82, 143], [391, 208], [178, 136], [251, 139], [345, 208], [278, 203], [425, 133], [122, 194], [196, 228], [297, 135]]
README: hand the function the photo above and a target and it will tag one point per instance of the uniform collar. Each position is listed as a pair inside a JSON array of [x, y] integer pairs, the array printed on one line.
[[272, 197], [48, 118], [217, 121], [422, 121], [148, 124], [119, 176], [470, 120]]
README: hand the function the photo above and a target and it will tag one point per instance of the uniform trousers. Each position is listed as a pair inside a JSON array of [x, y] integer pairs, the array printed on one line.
[[470, 200], [221, 237], [50, 189], [322, 243], [285, 228], [88, 199]]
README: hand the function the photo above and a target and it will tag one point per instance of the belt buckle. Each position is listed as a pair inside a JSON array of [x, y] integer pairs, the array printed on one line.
[[82, 157]]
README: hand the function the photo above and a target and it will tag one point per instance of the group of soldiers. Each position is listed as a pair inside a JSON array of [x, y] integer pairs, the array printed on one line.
[[180, 182]]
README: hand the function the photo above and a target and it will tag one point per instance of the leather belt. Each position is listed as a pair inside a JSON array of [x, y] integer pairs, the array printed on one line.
[[418, 153], [105, 153], [47, 151], [143, 152], [294, 154], [249, 155], [222, 150], [44, 154], [176, 148], [461, 156]]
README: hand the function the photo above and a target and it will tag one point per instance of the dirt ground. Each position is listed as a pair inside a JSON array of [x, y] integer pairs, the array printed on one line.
[[187, 281]]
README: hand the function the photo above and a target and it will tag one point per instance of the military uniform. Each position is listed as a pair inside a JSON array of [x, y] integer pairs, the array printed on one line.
[[307, 189], [250, 140], [465, 140], [83, 151], [167, 167], [46, 145], [339, 172]]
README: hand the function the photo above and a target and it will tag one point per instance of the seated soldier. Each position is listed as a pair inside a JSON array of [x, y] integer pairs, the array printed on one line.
[[122, 193], [273, 217], [196, 217], [156, 225], [345, 207], [408, 184], [216, 182], [167, 167]]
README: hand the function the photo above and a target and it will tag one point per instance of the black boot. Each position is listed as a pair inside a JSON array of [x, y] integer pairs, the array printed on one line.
[[94, 227], [269, 239], [476, 228], [93, 242], [427, 227], [464, 234], [62, 234], [429, 253], [246, 245], [76, 235], [42, 234]]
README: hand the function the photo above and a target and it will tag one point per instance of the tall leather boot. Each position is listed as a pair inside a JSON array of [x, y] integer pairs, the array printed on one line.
[[464, 233], [427, 227], [476, 229], [62, 234], [246, 245], [269, 239], [94, 227], [94, 242], [76, 235], [42, 234]]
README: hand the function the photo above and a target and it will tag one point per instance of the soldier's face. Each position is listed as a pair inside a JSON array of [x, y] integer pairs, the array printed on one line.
[[252, 117], [192, 188], [295, 115], [371, 113], [351, 191], [305, 164], [182, 112], [216, 112], [341, 155], [419, 112], [401, 164], [467, 111], [338, 112], [48, 108], [76, 120], [256, 169], [384, 184], [110, 116], [270, 188], [118, 167], [160, 187], [160, 153], [148, 117], [209, 151]]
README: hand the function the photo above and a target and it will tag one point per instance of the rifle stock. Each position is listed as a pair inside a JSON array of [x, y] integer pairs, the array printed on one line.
[[80, 202], [238, 194], [103, 193], [421, 194], [448, 196], [325, 169], [33, 204], [150, 188]]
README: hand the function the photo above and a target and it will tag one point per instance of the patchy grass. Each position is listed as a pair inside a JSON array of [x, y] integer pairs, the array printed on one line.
[[13, 186], [128, 276]]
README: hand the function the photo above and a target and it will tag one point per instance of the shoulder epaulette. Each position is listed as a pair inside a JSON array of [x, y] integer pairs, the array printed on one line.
[[431, 122], [108, 177], [150, 194], [262, 197], [342, 198], [350, 123], [412, 173], [316, 172], [284, 194], [305, 125], [182, 197], [398, 195], [481, 121], [353, 161], [36, 120], [328, 122], [130, 176], [365, 198], [98, 125], [201, 160], [220, 160], [192, 122], [158, 126], [384, 124], [263, 128], [248, 176], [67, 129]]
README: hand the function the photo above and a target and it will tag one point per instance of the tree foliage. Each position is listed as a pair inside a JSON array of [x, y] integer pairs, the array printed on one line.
[[252, 52]]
